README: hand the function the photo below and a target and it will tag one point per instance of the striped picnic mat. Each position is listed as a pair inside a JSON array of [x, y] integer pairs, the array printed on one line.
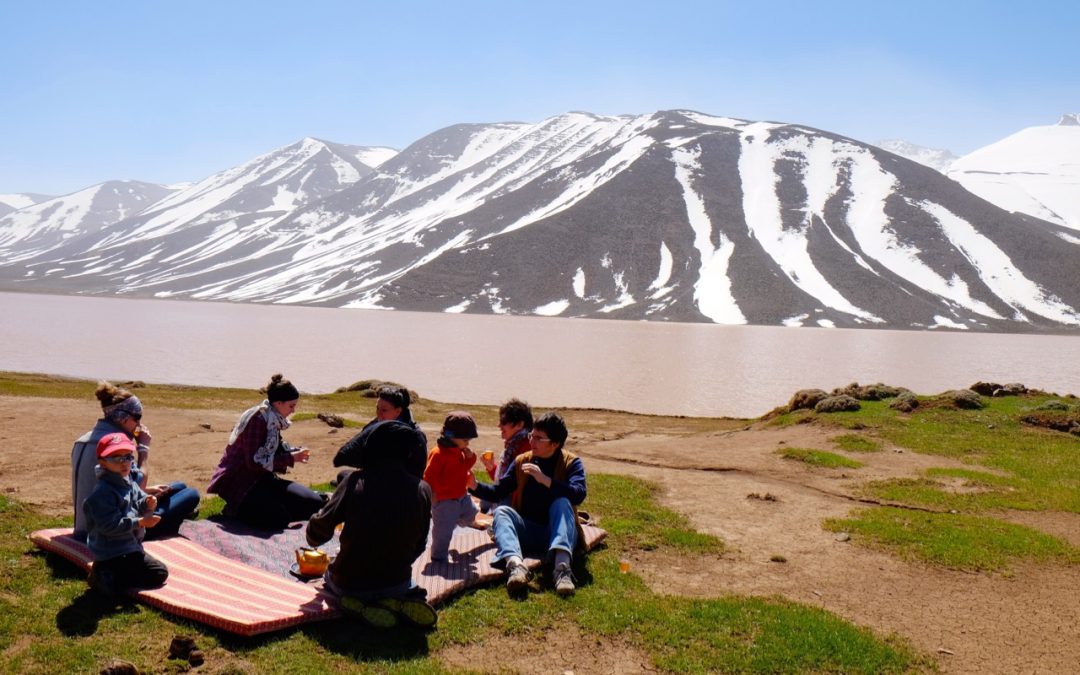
[[256, 595]]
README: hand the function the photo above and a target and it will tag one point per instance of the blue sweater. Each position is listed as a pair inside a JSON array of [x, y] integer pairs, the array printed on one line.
[[112, 515]]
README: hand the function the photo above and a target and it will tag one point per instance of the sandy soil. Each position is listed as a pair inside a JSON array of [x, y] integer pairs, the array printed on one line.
[[1026, 621]]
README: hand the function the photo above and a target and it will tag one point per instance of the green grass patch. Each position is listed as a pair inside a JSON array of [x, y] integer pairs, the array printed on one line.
[[857, 443], [823, 458], [1032, 468], [958, 541], [49, 622], [632, 517]]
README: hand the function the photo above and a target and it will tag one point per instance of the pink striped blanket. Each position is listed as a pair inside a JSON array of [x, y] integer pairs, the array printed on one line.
[[250, 595]]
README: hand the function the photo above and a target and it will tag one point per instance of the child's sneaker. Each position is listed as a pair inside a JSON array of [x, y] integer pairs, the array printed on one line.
[[517, 579], [564, 580]]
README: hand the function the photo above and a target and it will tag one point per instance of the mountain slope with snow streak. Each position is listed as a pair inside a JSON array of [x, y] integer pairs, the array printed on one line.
[[672, 216], [45, 225], [19, 200], [1034, 171]]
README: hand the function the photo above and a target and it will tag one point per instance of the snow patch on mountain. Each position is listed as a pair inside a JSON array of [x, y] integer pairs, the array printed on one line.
[[764, 209], [712, 291]]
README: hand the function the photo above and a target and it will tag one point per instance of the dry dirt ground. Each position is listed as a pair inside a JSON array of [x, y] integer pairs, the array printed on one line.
[[1027, 621]]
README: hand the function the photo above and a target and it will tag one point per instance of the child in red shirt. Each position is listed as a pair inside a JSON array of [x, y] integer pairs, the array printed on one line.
[[449, 468]]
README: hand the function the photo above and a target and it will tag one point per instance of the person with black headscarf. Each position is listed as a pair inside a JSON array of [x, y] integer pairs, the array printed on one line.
[[393, 404], [247, 476], [385, 510]]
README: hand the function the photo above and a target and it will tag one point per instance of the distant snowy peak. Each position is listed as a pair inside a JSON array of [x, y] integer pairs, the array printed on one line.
[[1034, 171], [934, 158], [261, 190], [14, 202], [52, 221], [374, 156]]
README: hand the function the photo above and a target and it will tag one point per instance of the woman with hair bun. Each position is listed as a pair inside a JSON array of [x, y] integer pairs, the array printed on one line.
[[247, 476], [122, 412]]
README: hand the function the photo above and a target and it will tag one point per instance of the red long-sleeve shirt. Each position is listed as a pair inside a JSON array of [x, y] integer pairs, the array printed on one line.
[[448, 470]]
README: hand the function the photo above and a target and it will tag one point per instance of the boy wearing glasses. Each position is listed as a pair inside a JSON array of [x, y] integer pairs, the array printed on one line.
[[117, 514], [545, 487]]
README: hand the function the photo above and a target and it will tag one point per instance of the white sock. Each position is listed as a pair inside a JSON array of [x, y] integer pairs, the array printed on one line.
[[562, 558], [513, 561]]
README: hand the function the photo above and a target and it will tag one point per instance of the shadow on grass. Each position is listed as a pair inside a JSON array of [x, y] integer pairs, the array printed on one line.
[[82, 616]]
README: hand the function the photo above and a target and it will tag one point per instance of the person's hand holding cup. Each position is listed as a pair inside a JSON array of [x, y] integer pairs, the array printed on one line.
[[301, 455], [487, 458]]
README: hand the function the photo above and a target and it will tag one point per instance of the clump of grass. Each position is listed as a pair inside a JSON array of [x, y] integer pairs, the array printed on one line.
[[819, 458], [857, 443], [957, 541]]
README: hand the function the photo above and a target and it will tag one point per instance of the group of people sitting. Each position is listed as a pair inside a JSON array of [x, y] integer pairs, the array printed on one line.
[[391, 492]]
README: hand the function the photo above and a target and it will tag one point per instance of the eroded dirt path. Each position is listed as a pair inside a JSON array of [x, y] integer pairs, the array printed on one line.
[[1027, 621]]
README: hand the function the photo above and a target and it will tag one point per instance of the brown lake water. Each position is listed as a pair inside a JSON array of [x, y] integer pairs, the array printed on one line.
[[664, 368]]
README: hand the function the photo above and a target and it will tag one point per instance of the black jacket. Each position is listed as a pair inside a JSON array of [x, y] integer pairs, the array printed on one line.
[[352, 453], [386, 511]]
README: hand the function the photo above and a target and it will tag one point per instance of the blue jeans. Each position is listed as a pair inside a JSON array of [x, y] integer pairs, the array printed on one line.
[[514, 535], [173, 507]]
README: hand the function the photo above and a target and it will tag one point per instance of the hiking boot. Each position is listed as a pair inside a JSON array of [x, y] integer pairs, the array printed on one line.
[[374, 615], [564, 580], [517, 579], [414, 610]]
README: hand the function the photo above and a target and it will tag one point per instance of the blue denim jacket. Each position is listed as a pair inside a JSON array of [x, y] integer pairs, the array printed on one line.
[[112, 515]]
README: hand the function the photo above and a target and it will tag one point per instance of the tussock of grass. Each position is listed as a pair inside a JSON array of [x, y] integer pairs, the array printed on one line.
[[857, 443], [819, 458], [957, 541]]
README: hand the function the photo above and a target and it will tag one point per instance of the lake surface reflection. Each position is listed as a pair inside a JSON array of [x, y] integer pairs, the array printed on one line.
[[687, 369]]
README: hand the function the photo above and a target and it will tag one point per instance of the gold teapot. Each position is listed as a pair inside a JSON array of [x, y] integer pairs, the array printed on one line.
[[311, 561]]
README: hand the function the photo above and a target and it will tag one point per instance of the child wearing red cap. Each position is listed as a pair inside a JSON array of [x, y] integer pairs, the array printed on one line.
[[117, 515]]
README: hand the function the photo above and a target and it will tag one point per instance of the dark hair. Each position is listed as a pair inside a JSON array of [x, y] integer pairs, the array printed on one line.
[[395, 396], [515, 410], [554, 426], [108, 394], [280, 389]]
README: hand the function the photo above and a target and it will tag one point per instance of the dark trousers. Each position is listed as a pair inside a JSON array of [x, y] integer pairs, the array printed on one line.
[[274, 502], [131, 570]]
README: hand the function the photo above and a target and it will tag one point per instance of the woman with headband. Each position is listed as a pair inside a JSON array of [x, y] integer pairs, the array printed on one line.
[[122, 412]]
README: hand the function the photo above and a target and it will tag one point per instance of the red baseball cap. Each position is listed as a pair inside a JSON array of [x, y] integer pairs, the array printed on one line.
[[114, 444]]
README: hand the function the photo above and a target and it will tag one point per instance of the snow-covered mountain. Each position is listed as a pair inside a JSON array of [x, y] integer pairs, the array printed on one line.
[[21, 200], [43, 226], [1034, 171], [939, 160], [674, 215]]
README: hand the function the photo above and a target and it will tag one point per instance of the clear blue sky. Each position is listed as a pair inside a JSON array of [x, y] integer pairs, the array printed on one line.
[[172, 91]]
